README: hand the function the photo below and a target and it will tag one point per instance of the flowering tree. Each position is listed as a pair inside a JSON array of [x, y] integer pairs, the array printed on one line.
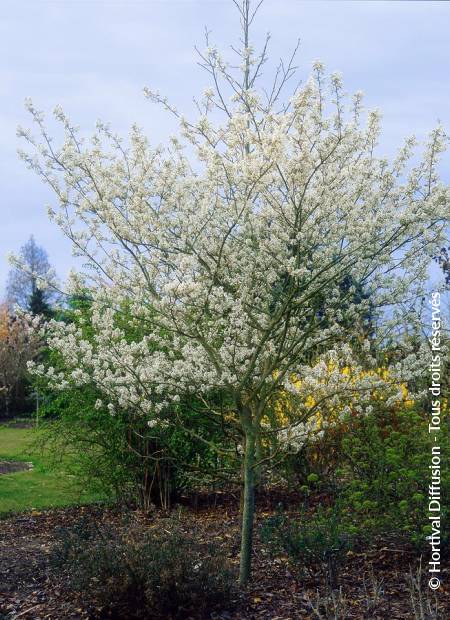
[[232, 253]]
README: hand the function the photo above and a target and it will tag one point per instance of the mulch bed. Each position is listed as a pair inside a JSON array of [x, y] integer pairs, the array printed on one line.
[[29, 589], [11, 467]]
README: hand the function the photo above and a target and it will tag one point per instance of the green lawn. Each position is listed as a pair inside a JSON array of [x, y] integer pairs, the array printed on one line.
[[45, 486]]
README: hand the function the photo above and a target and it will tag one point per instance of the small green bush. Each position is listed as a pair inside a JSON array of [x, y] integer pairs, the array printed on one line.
[[377, 467], [313, 543], [384, 474], [157, 574], [120, 455]]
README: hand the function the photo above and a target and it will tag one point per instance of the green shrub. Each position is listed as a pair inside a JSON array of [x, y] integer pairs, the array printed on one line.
[[120, 455], [384, 474], [377, 466], [157, 574], [313, 542]]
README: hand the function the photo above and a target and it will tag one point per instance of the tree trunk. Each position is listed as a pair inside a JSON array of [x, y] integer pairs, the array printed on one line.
[[248, 508], [242, 480], [258, 456], [7, 402]]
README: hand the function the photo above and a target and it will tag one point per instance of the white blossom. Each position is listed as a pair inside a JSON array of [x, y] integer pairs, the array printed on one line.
[[231, 255]]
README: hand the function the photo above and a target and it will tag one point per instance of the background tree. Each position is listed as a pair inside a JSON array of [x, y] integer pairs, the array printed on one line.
[[196, 241], [18, 345], [31, 281], [443, 260], [38, 305]]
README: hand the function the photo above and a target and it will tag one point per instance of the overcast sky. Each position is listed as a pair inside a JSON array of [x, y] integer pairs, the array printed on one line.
[[95, 56]]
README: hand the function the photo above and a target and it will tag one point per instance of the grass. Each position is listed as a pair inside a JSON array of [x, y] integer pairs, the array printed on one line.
[[47, 485]]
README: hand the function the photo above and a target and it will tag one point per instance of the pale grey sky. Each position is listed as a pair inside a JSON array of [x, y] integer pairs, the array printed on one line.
[[94, 57]]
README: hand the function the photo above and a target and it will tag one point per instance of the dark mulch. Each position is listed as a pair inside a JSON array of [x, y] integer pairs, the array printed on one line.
[[29, 589], [10, 467]]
